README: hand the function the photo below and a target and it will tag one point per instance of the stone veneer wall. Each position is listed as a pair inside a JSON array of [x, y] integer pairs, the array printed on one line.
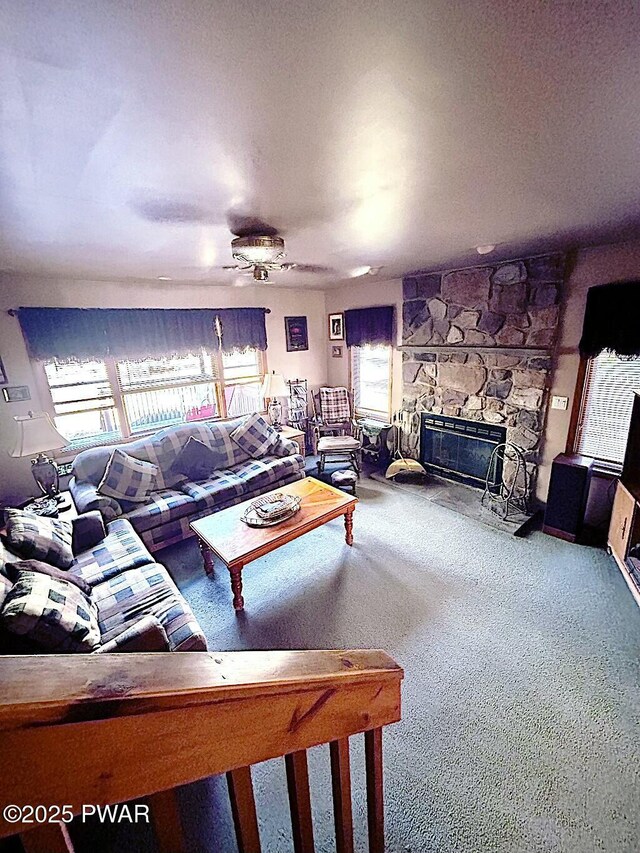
[[479, 345]]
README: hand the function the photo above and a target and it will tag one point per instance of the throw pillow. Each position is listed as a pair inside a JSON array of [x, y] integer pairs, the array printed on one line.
[[195, 460], [256, 437], [46, 569], [39, 538], [5, 586], [126, 478], [52, 613]]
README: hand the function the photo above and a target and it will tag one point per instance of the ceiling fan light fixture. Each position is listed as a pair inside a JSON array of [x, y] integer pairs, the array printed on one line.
[[259, 249], [356, 272], [260, 273]]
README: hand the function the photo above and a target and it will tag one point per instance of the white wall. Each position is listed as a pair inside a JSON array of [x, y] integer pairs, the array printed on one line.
[[599, 265], [593, 266], [16, 482], [365, 293]]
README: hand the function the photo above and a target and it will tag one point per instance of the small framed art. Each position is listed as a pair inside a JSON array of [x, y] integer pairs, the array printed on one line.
[[296, 333], [336, 351], [336, 327], [3, 375]]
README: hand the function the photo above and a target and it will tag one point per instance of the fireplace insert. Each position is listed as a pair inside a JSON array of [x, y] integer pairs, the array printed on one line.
[[461, 449]]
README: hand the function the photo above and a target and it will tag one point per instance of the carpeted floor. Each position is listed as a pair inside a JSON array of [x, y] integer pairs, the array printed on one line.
[[521, 715]]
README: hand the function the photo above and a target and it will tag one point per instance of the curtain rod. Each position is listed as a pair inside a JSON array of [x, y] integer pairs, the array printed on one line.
[[13, 312]]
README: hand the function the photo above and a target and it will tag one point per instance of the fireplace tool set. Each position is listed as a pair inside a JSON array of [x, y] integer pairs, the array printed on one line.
[[400, 465]]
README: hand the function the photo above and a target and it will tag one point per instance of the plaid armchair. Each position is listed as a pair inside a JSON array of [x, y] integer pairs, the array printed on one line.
[[332, 413], [332, 416]]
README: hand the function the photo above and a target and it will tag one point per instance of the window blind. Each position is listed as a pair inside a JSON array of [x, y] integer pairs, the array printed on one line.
[[370, 379], [607, 401]]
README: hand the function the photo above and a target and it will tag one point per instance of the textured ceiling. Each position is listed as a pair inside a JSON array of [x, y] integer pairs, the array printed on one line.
[[396, 134]]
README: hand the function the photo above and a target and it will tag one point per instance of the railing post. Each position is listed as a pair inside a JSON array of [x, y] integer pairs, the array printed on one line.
[[243, 808], [375, 794], [300, 801], [167, 822], [47, 838], [341, 783]]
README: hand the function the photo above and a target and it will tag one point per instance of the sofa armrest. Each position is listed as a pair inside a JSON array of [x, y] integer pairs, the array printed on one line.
[[286, 447], [86, 498], [145, 635], [88, 530]]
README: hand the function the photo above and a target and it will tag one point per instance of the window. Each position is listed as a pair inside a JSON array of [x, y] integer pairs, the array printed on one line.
[[243, 374], [371, 381], [160, 392], [95, 402], [84, 408], [605, 412]]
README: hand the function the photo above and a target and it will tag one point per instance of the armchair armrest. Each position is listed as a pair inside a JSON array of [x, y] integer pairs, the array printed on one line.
[[86, 498], [286, 447], [88, 530], [145, 635]]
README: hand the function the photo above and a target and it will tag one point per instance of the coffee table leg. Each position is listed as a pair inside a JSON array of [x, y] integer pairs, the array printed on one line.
[[236, 587], [207, 557], [348, 526]]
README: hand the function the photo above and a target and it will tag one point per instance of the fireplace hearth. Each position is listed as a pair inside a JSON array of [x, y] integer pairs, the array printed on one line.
[[461, 449]]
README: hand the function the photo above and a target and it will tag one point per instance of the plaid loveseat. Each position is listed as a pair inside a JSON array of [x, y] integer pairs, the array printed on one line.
[[139, 607], [164, 518]]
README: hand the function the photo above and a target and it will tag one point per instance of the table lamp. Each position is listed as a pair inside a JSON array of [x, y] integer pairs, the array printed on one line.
[[273, 387], [36, 436]]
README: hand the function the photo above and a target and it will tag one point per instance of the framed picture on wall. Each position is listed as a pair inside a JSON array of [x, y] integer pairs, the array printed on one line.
[[3, 375], [336, 351], [336, 327], [296, 334]]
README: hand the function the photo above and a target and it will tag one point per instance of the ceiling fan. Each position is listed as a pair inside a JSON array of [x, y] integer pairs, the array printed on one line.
[[261, 252]]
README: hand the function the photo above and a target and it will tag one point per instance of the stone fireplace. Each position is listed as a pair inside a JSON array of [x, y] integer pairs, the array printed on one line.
[[477, 345]]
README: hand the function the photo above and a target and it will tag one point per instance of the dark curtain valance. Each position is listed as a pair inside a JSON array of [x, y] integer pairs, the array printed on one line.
[[612, 320], [242, 328], [369, 326], [68, 334]]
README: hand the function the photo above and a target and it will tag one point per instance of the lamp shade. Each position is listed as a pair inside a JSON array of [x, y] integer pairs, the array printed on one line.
[[274, 386], [36, 434]]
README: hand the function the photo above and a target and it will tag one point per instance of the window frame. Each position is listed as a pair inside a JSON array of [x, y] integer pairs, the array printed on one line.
[[118, 395], [369, 413], [606, 466]]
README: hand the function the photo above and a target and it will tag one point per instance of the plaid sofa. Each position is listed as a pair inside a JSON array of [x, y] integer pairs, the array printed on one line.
[[164, 518], [139, 606]]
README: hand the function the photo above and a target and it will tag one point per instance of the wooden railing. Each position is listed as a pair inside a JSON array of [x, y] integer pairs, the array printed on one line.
[[104, 729]]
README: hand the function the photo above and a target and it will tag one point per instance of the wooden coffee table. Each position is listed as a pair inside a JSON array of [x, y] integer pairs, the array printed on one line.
[[236, 544]]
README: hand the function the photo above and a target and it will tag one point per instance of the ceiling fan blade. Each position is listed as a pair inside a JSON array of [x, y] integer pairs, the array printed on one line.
[[308, 268], [247, 225]]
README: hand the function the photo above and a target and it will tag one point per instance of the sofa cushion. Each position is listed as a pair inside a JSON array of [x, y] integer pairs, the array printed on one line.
[[5, 586], [45, 569], [88, 530], [266, 473], [6, 556], [256, 437], [229, 452], [196, 461], [52, 613], [221, 487], [34, 536], [122, 600], [145, 635], [129, 479], [165, 505], [120, 550]]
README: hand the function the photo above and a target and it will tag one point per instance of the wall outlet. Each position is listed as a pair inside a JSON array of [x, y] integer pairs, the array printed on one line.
[[560, 403]]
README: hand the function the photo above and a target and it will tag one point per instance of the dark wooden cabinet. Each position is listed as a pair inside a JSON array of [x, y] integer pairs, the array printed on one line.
[[624, 528]]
